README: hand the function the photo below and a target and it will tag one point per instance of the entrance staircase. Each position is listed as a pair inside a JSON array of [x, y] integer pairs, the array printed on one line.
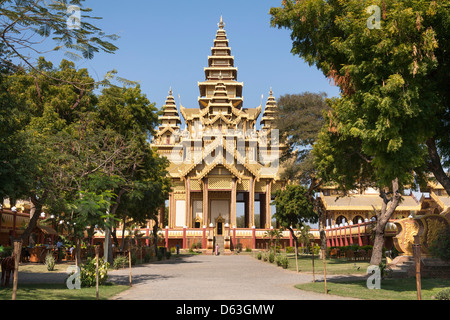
[[219, 240], [403, 267]]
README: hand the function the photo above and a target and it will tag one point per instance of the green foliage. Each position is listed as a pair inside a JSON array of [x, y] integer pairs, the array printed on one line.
[[50, 261], [391, 81], [88, 272], [284, 263], [385, 270], [133, 259], [159, 255], [443, 294], [293, 207], [120, 262], [40, 20], [299, 120], [271, 256], [259, 255], [81, 154], [440, 247], [5, 251]]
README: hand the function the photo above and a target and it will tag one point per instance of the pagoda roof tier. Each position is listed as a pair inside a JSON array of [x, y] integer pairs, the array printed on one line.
[[234, 102], [213, 83], [166, 117], [227, 49], [221, 57], [269, 110], [220, 69]]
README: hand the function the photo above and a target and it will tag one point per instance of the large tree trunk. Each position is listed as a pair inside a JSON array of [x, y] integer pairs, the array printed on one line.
[[107, 249], [78, 261], [155, 234], [321, 212], [322, 224], [296, 247], [35, 212], [436, 166], [387, 209], [113, 212], [114, 236], [122, 246]]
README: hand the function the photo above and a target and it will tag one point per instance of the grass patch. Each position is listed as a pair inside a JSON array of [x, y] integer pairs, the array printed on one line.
[[42, 268], [391, 289], [60, 292], [333, 266]]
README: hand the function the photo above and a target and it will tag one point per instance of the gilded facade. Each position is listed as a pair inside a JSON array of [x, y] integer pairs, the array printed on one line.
[[220, 158]]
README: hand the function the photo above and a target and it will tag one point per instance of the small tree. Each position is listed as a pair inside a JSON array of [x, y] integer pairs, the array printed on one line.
[[440, 247], [304, 236], [273, 237], [293, 209]]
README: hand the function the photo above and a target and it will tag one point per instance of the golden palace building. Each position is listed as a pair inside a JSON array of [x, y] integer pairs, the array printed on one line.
[[220, 160]]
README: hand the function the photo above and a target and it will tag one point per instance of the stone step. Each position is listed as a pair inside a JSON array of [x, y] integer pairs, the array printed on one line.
[[220, 241]]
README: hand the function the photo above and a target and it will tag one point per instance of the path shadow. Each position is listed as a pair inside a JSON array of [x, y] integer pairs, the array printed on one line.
[[173, 260], [123, 279]]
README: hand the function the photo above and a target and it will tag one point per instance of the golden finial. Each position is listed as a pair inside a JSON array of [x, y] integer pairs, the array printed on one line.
[[221, 24]]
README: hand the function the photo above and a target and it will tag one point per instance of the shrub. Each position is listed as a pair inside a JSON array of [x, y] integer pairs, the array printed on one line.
[[248, 249], [5, 251], [159, 255], [120, 262], [443, 294], [284, 262], [385, 271], [277, 260], [147, 257], [50, 262], [133, 259], [88, 272], [440, 247], [259, 255], [290, 249], [168, 254], [265, 256], [271, 257]]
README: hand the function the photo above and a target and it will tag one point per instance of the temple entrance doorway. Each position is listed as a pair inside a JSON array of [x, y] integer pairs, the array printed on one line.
[[220, 214]]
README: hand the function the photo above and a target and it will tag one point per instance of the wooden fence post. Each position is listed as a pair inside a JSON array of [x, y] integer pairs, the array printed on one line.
[[417, 262], [97, 253], [17, 252]]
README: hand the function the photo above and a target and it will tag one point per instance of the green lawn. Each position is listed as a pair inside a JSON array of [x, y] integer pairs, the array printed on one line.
[[42, 268], [56, 291], [390, 289], [333, 266], [60, 292]]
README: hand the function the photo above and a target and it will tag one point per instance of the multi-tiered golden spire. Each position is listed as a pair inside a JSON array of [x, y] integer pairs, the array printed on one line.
[[169, 121], [221, 65], [268, 118]]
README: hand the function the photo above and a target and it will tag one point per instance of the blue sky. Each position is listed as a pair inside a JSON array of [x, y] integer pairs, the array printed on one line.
[[165, 44]]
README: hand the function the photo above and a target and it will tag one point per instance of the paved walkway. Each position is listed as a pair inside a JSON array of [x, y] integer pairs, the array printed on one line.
[[205, 277]]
